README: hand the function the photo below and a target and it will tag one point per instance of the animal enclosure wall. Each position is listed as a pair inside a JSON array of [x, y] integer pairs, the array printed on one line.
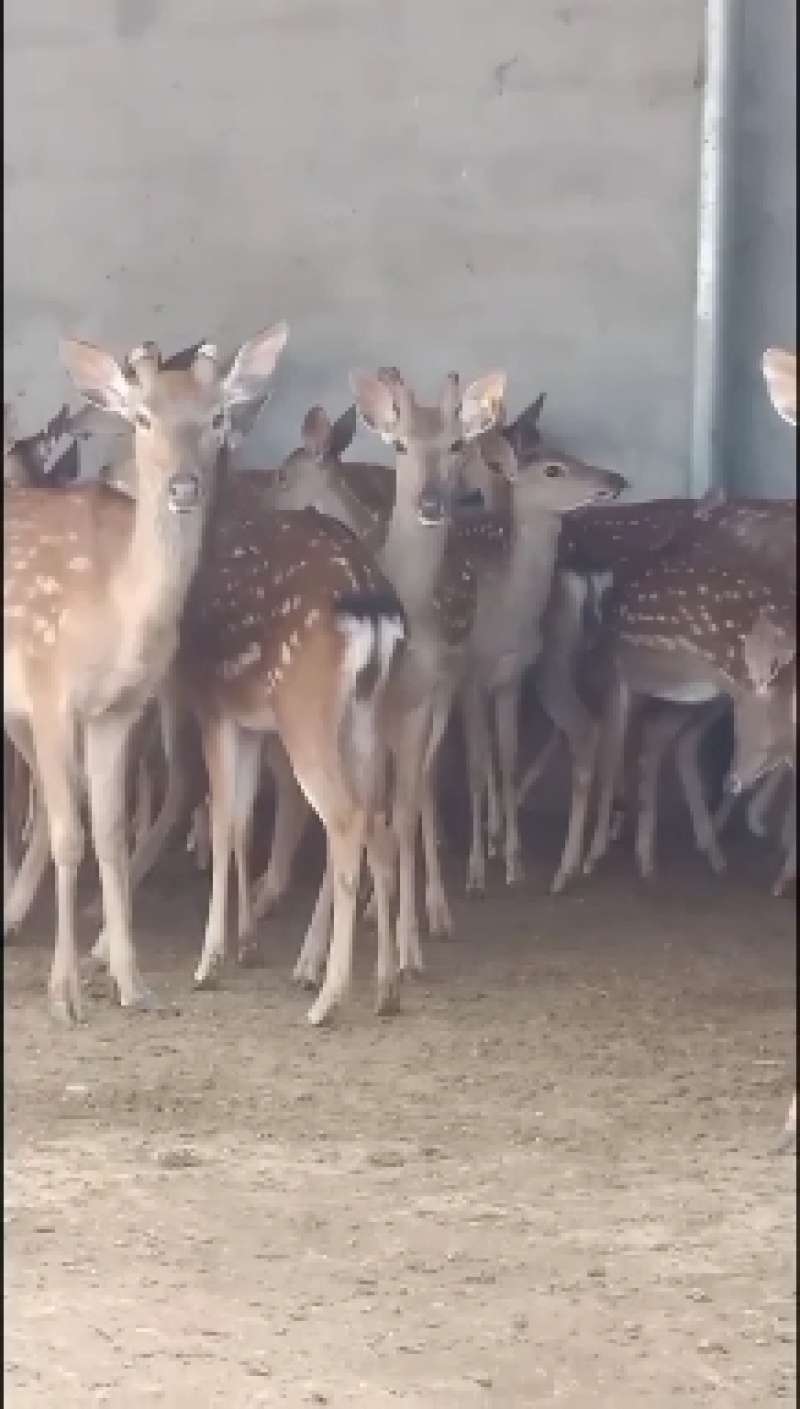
[[757, 451], [433, 185]]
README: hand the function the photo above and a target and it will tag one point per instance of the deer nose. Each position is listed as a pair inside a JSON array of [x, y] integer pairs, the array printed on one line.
[[430, 508], [614, 486], [183, 492], [470, 499]]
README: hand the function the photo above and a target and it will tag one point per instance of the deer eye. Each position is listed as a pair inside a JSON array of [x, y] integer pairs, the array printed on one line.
[[143, 420], [218, 420], [457, 445], [552, 470]]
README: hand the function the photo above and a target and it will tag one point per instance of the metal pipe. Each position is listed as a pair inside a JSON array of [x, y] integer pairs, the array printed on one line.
[[703, 463]]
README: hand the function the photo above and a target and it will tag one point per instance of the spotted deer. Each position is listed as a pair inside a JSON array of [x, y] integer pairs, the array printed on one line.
[[291, 628], [432, 572], [676, 630], [597, 545], [362, 495], [94, 591], [514, 587]]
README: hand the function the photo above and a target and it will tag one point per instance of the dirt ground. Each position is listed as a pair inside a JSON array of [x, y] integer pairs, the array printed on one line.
[[546, 1181]]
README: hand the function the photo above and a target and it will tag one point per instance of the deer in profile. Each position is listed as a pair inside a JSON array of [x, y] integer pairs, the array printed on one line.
[[94, 591]]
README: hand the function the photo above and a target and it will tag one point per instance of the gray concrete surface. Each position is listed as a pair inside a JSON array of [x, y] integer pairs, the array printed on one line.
[[432, 184], [757, 451]]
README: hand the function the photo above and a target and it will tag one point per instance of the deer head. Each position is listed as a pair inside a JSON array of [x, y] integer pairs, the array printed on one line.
[[181, 418], [547, 481], [780, 374], [31, 460], [767, 650], [428, 440]]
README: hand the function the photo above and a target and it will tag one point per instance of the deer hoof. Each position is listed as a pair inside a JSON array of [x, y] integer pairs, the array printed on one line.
[[319, 1014], [65, 1003], [207, 975], [249, 955], [440, 921], [387, 998]]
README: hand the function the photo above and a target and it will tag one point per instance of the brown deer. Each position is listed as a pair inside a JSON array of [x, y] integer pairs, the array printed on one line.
[[362, 495], [676, 631], [94, 590], [291, 628], [542, 485], [432, 572], [596, 545]]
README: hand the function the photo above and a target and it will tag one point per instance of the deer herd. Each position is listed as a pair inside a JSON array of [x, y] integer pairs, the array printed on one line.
[[180, 626]]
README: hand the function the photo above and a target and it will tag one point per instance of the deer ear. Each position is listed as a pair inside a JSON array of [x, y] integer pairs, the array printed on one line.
[[316, 432], [253, 366], [481, 404], [376, 404], [343, 432], [780, 374], [524, 433], [99, 378]]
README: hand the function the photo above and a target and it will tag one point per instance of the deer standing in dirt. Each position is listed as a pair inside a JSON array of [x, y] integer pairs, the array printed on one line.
[[94, 590], [514, 589], [434, 578], [597, 545]]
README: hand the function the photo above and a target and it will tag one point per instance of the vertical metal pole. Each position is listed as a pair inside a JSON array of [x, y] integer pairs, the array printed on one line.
[[703, 465]]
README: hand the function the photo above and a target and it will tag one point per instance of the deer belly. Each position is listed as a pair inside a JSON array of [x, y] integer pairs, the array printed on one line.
[[668, 675]]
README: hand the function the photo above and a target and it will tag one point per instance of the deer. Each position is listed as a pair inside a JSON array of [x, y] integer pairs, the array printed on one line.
[[767, 529], [430, 568], [28, 461], [362, 495], [596, 545], [94, 591], [675, 630], [542, 485]]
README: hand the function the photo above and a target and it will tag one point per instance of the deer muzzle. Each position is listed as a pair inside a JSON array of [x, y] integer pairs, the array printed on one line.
[[184, 492]]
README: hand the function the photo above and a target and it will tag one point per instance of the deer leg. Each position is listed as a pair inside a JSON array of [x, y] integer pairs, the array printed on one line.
[[57, 773], [410, 747], [476, 730], [220, 747], [659, 732], [152, 844], [291, 817], [440, 920], [688, 770], [346, 839], [28, 876], [248, 775], [611, 754], [381, 862], [494, 811], [142, 819], [507, 716], [537, 768], [762, 800], [311, 960], [788, 873], [563, 705], [106, 757]]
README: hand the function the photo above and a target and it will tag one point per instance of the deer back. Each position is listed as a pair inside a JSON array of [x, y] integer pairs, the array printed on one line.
[[702, 602], [267, 582]]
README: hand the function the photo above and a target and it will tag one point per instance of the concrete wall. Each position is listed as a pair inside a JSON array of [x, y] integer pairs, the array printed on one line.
[[434, 183], [758, 452]]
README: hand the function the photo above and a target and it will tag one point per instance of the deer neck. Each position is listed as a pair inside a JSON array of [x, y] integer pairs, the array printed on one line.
[[366, 524], [153, 579], [413, 552]]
